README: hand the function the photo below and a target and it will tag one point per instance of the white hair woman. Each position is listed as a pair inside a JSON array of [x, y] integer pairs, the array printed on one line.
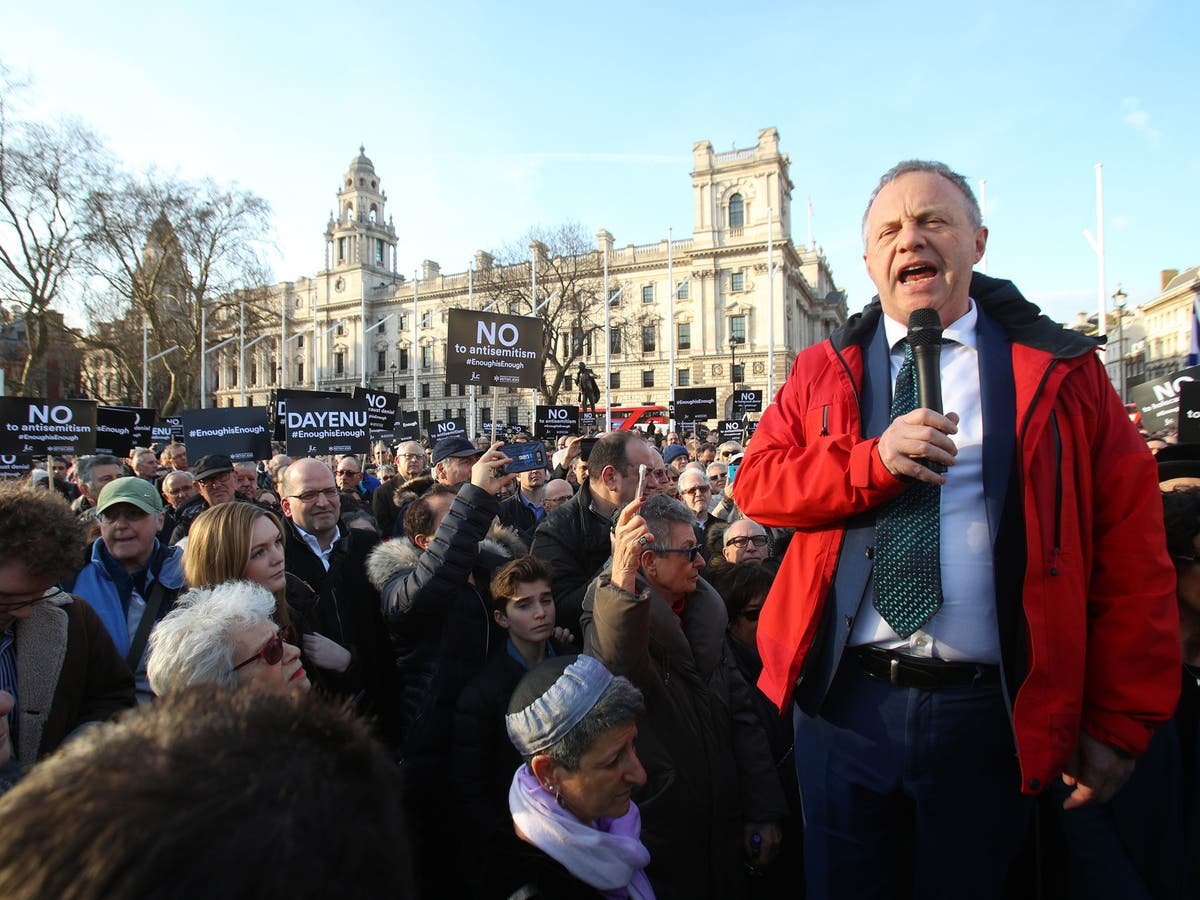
[[574, 724], [223, 635]]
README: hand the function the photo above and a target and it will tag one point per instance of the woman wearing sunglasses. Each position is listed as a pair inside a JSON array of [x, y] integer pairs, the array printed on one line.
[[223, 635]]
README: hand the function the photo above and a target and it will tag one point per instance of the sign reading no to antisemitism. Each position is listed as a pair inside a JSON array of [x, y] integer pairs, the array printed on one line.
[[38, 427], [493, 350]]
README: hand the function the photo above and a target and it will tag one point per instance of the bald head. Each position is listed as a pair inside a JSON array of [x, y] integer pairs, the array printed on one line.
[[745, 541]]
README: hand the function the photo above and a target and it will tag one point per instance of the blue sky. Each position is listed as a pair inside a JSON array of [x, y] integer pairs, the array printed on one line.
[[484, 119]]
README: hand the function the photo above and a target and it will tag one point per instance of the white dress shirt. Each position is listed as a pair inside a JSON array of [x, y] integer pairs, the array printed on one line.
[[964, 628], [315, 545]]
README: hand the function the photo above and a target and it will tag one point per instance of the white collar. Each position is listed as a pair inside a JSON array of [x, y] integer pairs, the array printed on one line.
[[960, 331]]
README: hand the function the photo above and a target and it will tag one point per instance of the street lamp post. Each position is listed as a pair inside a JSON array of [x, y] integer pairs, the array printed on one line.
[[1119, 299], [393, 370], [733, 343]]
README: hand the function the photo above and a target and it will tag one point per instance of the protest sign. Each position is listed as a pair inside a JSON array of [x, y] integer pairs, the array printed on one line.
[[1189, 412], [694, 404], [448, 428], [553, 422], [747, 402], [408, 425], [381, 408], [319, 426], [38, 427], [730, 430], [15, 465], [1159, 399], [493, 350], [143, 424], [114, 430], [240, 432], [279, 401]]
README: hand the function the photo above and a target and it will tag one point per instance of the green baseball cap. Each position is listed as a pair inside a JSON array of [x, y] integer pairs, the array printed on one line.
[[134, 491]]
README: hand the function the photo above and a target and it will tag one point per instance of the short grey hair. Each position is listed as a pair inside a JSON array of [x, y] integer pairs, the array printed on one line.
[[85, 466], [246, 466], [932, 167], [659, 512], [620, 704], [193, 644]]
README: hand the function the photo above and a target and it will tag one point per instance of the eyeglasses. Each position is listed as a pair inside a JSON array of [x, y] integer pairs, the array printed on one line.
[[692, 552], [329, 493], [8, 606], [410, 456], [758, 540], [698, 489], [129, 514], [348, 472], [271, 652], [214, 479]]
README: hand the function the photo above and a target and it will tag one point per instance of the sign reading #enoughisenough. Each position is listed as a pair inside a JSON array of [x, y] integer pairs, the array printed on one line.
[[319, 426], [242, 433]]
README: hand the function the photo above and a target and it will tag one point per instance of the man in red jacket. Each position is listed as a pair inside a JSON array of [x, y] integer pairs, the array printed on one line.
[[953, 642]]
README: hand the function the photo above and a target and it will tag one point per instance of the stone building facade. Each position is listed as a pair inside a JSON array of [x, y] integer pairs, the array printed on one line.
[[742, 208]]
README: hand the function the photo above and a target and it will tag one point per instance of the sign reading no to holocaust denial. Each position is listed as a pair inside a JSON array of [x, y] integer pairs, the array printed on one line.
[[555, 421], [317, 426], [37, 427], [381, 408], [746, 402], [143, 424], [695, 404], [14, 465], [241, 433], [493, 350]]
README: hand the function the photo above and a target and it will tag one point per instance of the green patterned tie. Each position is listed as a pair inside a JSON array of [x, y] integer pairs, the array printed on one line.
[[908, 570]]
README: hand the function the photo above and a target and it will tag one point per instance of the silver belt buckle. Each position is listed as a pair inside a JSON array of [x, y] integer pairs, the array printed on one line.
[[894, 672]]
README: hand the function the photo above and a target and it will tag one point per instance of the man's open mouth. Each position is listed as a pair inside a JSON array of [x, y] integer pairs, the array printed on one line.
[[917, 273]]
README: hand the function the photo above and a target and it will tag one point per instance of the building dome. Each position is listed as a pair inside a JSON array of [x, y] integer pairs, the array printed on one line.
[[361, 161]]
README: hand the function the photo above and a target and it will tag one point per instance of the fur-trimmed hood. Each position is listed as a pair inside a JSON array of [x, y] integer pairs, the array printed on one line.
[[396, 557]]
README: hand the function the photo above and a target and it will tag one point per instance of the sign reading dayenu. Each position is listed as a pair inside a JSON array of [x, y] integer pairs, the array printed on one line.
[[555, 421], [36, 427], [241, 433], [114, 430], [381, 408], [319, 426], [493, 350], [279, 401]]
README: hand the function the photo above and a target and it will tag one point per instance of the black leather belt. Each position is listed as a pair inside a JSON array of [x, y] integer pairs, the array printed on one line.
[[902, 670]]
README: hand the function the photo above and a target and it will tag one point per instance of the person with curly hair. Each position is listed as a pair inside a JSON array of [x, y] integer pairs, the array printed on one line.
[[58, 665]]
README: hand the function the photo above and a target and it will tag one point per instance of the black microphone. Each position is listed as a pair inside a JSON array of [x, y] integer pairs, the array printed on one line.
[[925, 338]]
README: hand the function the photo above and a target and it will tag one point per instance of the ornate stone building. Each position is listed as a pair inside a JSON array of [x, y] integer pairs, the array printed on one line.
[[742, 207], [1166, 325]]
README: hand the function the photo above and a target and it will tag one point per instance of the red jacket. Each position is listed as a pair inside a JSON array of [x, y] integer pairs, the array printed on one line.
[[1102, 627]]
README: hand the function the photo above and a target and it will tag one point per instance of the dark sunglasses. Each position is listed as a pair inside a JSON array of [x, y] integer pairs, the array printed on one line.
[[692, 552], [758, 540], [271, 652]]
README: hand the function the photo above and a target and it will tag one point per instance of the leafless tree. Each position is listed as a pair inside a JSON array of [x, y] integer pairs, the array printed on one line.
[[166, 250], [46, 172], [569, 284]]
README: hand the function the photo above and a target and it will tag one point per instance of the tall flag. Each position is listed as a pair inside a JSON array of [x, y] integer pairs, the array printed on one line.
[[1193, 358]]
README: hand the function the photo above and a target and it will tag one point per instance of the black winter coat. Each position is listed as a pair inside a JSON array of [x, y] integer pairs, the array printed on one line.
[[343, 605], [440, 626], [575, 542]]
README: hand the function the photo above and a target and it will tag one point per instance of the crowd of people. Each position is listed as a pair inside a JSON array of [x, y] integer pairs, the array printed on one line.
[[659, 667]]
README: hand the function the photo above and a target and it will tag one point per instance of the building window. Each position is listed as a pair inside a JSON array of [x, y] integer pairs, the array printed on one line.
[[339, 363], [299, 373], [737, 281], [341, 329], [576, 341], [648, 335], [614, 296], [404, 359], [447, 390], [378, 247], [342, 247], [252, 374], [424, 390], [614, 380], [683, 291], [683, 377], [737, 211], [300, 342], [568, 384], [513, 412], [272, 369], [381, 361], [382, 323], [485, 391], [403, 392], [648, 293], [647, 378], [402, 324], [447, 414], [427, 319], [614, 341], [426, 417], [461, 412], [462, 390], [684, 333], [426, 357], [737, 328]]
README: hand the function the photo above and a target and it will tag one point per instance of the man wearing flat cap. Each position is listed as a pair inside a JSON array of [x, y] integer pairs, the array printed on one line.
[[215, 484], [131, 580], [453, 458]]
